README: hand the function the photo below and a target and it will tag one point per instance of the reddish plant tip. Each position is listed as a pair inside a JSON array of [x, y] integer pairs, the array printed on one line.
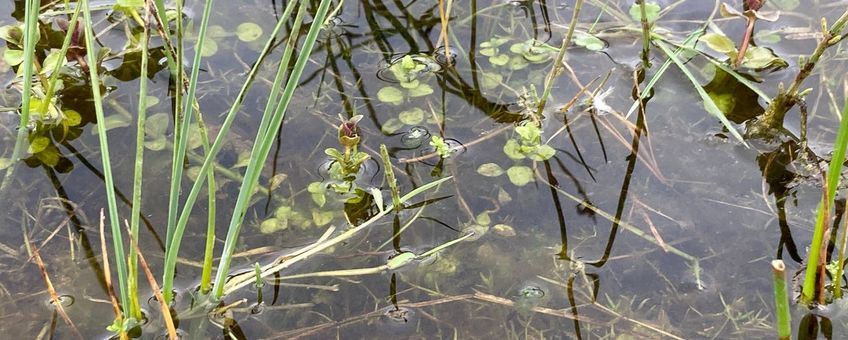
[[754, 5]]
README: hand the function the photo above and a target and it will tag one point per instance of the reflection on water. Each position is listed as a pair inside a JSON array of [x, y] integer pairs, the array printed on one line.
[[659, 225]]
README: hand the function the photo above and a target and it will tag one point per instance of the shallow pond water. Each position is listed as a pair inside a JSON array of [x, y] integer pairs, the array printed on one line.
[[667, 232]]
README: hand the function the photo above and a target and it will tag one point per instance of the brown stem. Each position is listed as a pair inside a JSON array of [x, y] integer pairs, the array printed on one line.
[[746, 40]]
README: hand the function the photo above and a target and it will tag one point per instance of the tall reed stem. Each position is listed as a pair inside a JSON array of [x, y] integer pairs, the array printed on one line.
[[30, 26], [114, 221], [781, 300]]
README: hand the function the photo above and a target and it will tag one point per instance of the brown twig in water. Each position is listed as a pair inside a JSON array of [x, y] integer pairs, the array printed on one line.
[[50, 289]]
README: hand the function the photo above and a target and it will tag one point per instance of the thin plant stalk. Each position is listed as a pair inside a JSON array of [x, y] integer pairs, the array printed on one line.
[[135, 214], [54, 76], [30, 26], [833, 172], [646, 35], [840, 262], [263, 147], [390, 177], [781, 300], [114, 222], [557, 68]]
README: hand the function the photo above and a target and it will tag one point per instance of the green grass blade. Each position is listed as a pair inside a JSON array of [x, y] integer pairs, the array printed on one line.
[[54, 76], [191, 198], [258, 159], [709, 104], [690, 40], [114, 221], [30, 27], [135, 214]]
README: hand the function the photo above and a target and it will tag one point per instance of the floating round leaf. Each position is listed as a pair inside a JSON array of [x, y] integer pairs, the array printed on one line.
[[412, 116], [420, 90], [321, 218], [391, 126], [490, 170], [210, 47], [248, 31], [652, 11], [390, 95], [520, 175], [512, 150], [588, 41]]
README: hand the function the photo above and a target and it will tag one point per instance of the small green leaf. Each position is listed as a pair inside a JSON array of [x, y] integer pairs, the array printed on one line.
[[72, 118], [390, 95], [588, 41], [410, 84], [652, 11], [544, 152], [276, 181], [378, 198], [400, 260], [520, 175], [316, 187], [210, 47], [273, 225], [518, 63], [483, 219], [391, 126], [283, 212], [38, 144], [420, 91], [5, 163], [53, 59], [719, 43], [503, 230], [321, 218], [157, 124], [511, 149], [217, 31], [13, 57], [412, 116], [490, 80], [760, 57], [333, 153], [490, 170], [500, 60], [49, 156], [248, 31]]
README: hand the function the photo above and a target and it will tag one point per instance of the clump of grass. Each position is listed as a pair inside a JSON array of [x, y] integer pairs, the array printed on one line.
[[810, 293]]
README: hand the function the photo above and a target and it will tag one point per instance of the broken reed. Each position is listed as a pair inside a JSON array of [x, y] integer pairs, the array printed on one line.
[[781, 300]]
